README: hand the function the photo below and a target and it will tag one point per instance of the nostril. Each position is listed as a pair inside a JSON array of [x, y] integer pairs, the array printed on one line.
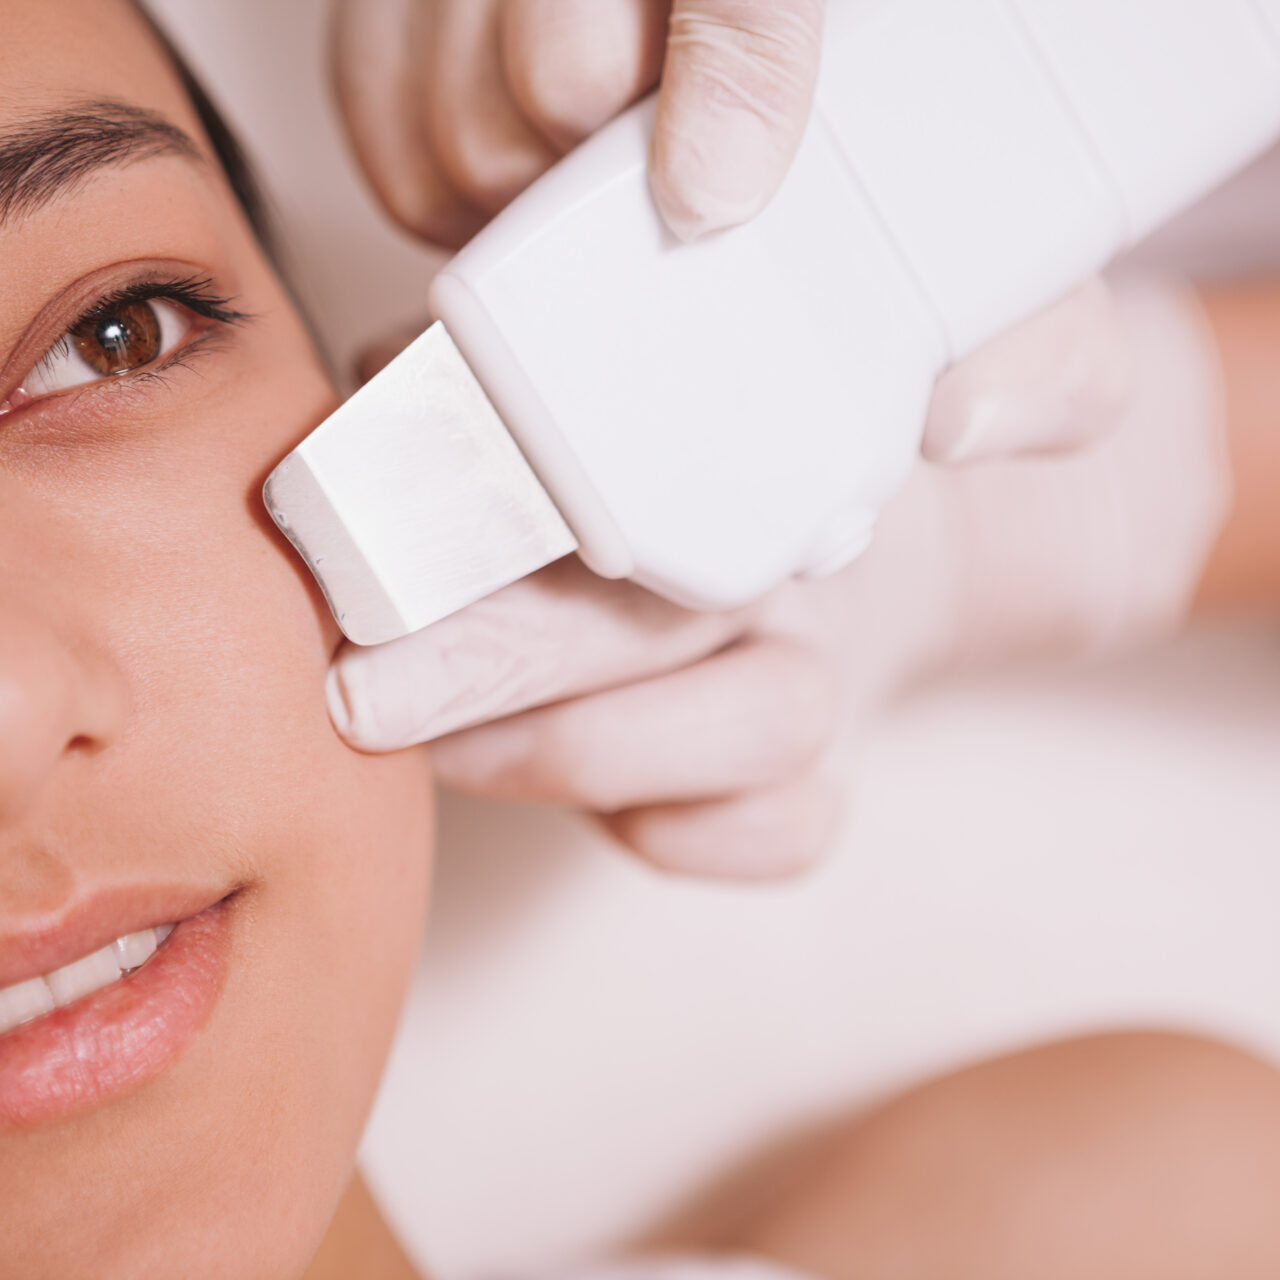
[[58, 700]]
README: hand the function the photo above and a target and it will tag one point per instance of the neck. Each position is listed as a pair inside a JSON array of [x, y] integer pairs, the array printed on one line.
[[360, 1244]]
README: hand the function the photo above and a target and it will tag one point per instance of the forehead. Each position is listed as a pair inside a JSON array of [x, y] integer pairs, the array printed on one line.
[[55, 53]]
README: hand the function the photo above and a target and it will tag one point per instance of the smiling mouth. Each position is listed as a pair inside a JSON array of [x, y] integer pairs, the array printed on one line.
[[25, 1001], [87, 1032]]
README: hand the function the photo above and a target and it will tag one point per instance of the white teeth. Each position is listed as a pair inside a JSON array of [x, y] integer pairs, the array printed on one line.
[[23, 1002], [84, 977], [38, 996], [135, 949]]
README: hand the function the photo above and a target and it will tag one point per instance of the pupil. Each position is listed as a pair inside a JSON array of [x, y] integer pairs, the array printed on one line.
[[112, 334], [119, 340]]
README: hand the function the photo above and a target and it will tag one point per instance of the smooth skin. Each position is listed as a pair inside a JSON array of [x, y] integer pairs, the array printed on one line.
[[161, 656], [1244, 571], [1125, 1157]]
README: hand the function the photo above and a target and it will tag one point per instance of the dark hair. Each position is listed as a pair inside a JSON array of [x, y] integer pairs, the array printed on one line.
[[241, 179], [231, 156], [226, 146]]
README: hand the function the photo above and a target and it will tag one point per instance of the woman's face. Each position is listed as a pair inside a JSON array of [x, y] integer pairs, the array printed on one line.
[[165, 755]]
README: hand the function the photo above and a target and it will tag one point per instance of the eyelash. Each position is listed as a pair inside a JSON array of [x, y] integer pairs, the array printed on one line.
[[194, 293]]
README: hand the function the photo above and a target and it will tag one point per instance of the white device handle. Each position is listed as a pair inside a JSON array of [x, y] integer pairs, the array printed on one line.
[[1014, 146], [714, 418]]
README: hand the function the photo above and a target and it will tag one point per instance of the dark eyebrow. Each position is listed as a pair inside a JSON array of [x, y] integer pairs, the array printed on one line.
[[51, 155]]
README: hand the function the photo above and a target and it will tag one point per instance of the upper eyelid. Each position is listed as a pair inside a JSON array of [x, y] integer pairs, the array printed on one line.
[[192, 292]]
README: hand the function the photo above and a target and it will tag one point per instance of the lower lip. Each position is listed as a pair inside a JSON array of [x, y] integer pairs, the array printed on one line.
[[119, 1038]]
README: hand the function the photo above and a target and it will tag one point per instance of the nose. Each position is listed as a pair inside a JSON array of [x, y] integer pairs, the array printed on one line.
[[58, 700]]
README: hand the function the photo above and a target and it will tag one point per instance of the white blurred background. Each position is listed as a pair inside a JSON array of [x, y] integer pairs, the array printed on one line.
[[591, 1052]]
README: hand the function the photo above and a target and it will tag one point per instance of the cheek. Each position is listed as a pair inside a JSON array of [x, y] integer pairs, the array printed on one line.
[[228, 642], [160, 517]]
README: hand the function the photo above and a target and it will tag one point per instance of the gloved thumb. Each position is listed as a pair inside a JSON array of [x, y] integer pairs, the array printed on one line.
[[558, 634], [736, 94], [1052, 384]]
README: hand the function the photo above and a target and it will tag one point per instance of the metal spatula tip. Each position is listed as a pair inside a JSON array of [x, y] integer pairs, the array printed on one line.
[[412, 500]]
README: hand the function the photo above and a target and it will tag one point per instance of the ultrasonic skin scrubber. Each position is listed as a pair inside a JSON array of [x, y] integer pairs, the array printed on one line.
[[711, 419]]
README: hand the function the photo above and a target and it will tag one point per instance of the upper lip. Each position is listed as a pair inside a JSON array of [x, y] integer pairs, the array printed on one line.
[[91, 922]]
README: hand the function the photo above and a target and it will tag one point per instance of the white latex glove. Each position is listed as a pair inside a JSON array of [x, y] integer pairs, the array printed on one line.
[[701, 739], [454, 106], [1050, 384]]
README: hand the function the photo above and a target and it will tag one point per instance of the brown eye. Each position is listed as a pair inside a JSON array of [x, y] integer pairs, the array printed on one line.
[[123, 337], [115, 338]]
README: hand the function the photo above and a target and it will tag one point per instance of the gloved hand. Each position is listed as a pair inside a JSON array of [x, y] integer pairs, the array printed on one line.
[[701, 739], [454, 106]]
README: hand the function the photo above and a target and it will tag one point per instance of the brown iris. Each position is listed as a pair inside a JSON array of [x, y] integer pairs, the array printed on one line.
[[119, 338]]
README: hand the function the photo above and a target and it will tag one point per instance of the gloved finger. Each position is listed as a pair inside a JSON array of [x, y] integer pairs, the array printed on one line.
[[484, 144], [573, 64], [1100, 549], [762, 835], [736, 94], [1051, 384], [753, 716], [557, 634], [376, 83]]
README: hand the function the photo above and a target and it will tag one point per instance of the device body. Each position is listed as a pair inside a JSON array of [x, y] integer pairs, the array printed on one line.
[[712, 419]]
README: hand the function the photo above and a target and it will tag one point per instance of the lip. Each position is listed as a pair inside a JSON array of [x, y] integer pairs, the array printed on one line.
[[116, 1040], [84, 927]]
